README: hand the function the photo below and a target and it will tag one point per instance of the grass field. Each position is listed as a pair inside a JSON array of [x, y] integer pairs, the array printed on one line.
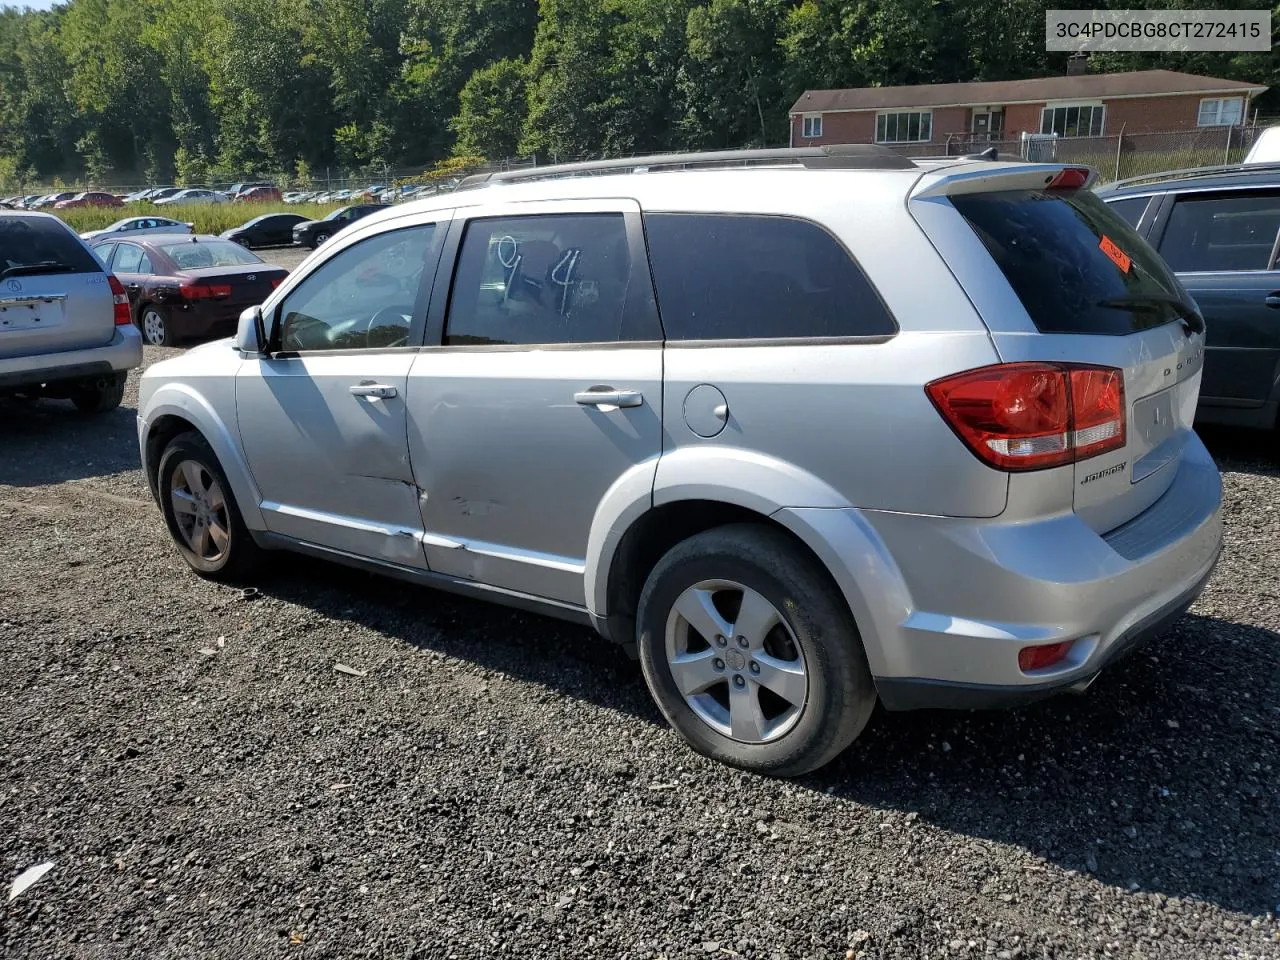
[[207, 217]]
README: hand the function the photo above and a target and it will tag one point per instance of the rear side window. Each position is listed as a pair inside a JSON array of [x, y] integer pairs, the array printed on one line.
[[1075, 264], [1130, 208], [547, 279], [27, 243], [737, 277], [1222, 233]]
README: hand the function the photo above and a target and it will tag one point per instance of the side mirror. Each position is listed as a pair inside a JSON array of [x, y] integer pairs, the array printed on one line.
[[251, 334]]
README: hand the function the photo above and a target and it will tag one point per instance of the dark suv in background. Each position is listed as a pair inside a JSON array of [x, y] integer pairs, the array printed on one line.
[[1219, 229]]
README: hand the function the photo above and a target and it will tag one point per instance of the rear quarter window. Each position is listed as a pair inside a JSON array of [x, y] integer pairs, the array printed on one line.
[[1066, 254], [37, 240], [744, 277]]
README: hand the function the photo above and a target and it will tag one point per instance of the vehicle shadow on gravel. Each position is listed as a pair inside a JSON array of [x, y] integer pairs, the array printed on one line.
[[1243, 451], [1161, 777], [559, 656], [50, 441]]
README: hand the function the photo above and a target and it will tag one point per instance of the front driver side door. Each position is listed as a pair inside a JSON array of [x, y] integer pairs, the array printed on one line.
[[322, 417]]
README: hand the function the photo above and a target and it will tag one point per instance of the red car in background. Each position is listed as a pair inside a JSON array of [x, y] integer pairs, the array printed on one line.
[[259, 195], [90, 199]]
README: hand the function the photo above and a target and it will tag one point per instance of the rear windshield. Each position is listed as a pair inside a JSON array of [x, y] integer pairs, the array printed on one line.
[[208, 253], [28, 241], [1075, 264]]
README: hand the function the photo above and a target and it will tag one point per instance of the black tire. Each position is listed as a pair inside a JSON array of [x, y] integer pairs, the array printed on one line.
[[320, 238], [840, 694], [241, 557], [95, 397]]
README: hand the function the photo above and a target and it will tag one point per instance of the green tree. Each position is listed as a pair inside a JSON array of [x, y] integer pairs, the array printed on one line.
[[491, 111]]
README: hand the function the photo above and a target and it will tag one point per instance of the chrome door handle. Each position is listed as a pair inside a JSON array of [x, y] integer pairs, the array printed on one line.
[[1273, 300], [609, 398], [374, 391]]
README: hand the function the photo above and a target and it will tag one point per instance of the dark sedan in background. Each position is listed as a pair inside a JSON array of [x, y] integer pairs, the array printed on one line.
[[187, 287], [268, 230], [312, 233]]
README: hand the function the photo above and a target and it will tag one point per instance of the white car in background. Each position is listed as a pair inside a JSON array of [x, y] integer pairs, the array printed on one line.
[[192, 196], [1266, 149], [138, 226]]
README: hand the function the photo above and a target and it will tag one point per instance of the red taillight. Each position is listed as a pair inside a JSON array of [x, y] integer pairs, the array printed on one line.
[[1029, 416], [203, 291], [1046, 655], [1069, 178], [276, 281], [119, 302]]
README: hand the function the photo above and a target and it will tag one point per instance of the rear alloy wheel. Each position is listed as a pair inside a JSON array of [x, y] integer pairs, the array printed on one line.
[[201, 511], [155, 327], [751, 653], [100, 396]]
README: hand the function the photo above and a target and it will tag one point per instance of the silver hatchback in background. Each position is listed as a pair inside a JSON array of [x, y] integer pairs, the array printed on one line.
[[804, 429], [65, 327]]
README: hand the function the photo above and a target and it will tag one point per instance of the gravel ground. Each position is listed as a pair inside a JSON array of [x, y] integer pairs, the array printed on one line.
[[207, 785]]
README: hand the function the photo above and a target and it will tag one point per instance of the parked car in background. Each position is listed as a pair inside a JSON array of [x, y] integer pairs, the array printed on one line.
[[1219, 229], [944, 462], [140, 226], [89, 199], [191, 195], [312, 233], [162, 193], [258, 195], [1266, 148], [49, 199], [236, 189], [268, 230], [183, 288], [65, 329]]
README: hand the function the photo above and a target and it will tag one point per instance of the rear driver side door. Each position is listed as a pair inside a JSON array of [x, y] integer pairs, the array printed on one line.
[[540, 389]]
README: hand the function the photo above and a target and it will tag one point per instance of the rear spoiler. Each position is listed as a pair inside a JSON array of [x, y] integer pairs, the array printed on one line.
[[987, 177]]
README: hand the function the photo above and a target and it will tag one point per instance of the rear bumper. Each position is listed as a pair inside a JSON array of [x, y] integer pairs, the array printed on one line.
[[124, 352], [953, 601]]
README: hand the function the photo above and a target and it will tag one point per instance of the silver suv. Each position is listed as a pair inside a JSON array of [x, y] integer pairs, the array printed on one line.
[[65, 326], [804, 429]]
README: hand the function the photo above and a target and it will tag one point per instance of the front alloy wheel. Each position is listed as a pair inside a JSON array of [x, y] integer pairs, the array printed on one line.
[[200, 509]]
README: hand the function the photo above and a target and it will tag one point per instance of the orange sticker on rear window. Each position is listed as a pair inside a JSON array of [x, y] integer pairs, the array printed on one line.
[[1115, 254]]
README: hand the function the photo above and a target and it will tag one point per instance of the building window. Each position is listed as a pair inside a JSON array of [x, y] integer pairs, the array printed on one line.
[[1072, 120], [904, 127], [1224, 112], [812, 125]]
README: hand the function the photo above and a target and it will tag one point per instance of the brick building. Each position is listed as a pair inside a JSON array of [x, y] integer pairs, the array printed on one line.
[[1083, 105]]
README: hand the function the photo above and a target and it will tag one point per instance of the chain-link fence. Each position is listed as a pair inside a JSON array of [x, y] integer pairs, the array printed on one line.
[[1114, 157]]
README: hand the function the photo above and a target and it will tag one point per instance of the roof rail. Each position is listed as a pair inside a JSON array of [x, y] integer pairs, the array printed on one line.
[[851, 156], [1238, 167]]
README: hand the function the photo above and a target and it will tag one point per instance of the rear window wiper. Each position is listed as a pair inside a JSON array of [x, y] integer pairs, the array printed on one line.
[[45, 266], [1158, 302]]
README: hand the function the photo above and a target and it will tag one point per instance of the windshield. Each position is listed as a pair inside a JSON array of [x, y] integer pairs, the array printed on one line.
[[337, 214], [208, 253], [1076, 265]]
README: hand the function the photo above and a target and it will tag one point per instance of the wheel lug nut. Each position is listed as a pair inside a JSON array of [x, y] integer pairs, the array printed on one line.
[[718, 663], [721, 641], [742, 642], [738, 681], [755, 667]]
